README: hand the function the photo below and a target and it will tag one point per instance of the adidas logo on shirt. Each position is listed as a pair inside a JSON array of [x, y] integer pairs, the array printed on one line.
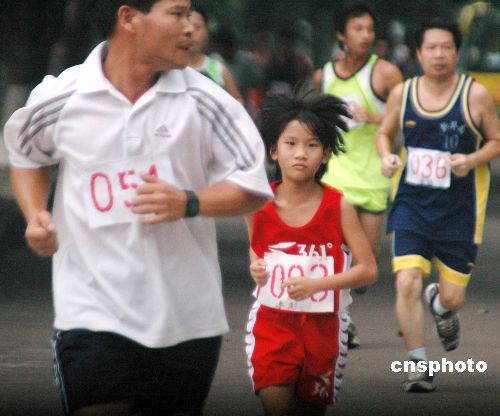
[[162, 131]]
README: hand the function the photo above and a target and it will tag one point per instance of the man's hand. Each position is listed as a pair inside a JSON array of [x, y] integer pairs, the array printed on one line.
[[390, 164], [41, 234], [158, 201], [258, 272], [460, 164]]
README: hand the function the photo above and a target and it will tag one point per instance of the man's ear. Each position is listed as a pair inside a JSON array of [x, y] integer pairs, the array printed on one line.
[[273, 153], [127, 18], [340, 39], [418, 54]]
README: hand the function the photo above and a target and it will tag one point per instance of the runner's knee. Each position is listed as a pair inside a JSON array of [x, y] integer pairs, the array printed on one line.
[[452, 300], [409, 283]]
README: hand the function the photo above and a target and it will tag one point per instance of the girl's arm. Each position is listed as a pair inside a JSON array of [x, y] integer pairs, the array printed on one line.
[[364, 272]]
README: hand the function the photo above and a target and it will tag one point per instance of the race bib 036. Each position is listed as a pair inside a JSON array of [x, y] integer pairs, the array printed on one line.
[[428, 167]]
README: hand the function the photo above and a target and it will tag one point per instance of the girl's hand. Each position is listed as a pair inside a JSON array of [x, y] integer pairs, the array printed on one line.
[[258, 272], [300, 288]]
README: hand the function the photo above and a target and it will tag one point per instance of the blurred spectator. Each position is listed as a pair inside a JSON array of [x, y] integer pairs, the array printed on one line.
[[207, 65], [261, 54], [77, 38], [246, 67], [261, 49], [24, 24], [400, 54], [288, 67], [383, 48]]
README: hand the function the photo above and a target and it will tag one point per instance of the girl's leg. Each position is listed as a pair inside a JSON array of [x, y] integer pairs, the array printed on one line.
[[279, 401]]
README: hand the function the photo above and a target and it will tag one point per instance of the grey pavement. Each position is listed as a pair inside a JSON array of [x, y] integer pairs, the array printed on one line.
[[369, 386]]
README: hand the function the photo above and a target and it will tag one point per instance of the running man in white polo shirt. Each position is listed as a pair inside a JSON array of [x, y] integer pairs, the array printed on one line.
[[148, 152]]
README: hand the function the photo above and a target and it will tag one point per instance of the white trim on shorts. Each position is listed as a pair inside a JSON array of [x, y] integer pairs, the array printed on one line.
[[58, 375]]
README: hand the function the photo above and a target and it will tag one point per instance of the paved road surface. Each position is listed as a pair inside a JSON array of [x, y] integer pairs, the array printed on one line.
[[369, 386]]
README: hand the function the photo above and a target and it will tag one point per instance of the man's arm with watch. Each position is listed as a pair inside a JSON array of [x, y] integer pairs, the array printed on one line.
[[158, 201]]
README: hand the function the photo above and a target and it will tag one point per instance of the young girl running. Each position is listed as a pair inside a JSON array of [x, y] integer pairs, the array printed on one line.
[[301, 245]]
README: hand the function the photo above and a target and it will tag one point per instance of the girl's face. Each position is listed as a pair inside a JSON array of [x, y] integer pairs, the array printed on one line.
[[298, 153]]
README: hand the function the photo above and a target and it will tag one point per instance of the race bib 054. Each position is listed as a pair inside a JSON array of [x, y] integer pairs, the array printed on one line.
[[109, 189]]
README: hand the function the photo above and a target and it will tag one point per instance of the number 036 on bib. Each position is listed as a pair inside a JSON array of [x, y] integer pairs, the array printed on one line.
[[428, 167]]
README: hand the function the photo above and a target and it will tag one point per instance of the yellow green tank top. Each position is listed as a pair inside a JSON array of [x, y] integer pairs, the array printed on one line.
[[212, 68], [359, 166]]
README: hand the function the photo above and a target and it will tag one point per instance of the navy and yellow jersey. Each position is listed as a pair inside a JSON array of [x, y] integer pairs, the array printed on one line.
[[446, 207]]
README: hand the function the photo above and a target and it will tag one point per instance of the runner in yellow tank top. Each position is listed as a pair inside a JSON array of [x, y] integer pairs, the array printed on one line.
[[364, 81]]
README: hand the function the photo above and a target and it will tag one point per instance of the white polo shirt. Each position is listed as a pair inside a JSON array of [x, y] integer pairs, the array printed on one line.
[[157, 284]]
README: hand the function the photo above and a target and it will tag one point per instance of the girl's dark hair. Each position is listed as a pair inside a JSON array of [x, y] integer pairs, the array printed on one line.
[[321, 114]]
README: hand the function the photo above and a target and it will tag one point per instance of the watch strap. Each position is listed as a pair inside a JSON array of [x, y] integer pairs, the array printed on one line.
[[192, 205]]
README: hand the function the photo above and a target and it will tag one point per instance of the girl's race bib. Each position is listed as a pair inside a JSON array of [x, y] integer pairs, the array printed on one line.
[[281, 267]]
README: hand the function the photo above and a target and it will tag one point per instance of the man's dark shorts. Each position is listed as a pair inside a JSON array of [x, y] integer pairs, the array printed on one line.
[[101, 367], [453, 259]]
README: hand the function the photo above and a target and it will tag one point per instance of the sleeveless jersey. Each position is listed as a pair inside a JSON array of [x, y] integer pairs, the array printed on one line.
[[212, 68], [321, 236], [359, 166], [453, 211]]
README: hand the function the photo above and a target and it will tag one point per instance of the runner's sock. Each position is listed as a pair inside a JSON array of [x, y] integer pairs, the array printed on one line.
[[418, 354], [438, 307]]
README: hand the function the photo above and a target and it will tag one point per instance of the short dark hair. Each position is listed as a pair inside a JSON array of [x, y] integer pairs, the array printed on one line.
[[437, 23], [103, 13], [321, 114], [352, 10], [201, 10]]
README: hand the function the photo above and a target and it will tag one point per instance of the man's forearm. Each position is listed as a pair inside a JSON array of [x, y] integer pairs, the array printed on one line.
[[488, 152], [31, 188], [383, 145], [227, 199]]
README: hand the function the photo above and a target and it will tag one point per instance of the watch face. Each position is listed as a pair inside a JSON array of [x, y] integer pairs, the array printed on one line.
[[193, 204]]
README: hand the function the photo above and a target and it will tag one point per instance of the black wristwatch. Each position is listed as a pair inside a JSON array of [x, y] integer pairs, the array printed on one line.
[[193, 204]]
